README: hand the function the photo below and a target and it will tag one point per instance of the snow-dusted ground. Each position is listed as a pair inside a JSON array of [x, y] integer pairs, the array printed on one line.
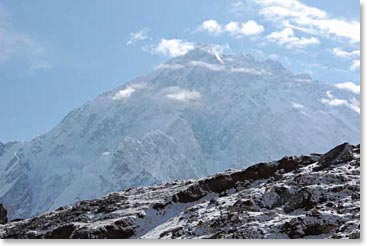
[[315, 196], [195, 115]]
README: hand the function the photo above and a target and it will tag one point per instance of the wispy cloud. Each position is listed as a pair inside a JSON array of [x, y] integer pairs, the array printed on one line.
[[182, 95], [128, 91], [356, 64], [349, 86], [173, 47], [339, 52], [16, 44], [211, 26], [235, 29], [138, 36], [287, 38], [332, 101], [308, 19]]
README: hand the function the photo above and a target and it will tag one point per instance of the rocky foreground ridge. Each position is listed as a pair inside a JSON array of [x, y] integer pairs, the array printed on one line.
[[316, 196]]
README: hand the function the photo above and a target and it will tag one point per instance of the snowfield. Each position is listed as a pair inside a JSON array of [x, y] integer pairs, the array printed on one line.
[[316, 196]]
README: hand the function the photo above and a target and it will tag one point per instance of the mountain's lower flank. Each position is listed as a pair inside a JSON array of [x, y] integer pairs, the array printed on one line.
[[316, 196]]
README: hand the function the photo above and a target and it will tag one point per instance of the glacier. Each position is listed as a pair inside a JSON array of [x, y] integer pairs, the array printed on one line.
[[194, 115]]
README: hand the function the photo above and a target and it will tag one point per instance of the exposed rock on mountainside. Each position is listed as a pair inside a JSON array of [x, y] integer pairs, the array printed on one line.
[[316, 196]]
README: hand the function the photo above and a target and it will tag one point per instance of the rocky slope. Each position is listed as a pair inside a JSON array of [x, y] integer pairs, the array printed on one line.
[[195, 115], [316, 196]]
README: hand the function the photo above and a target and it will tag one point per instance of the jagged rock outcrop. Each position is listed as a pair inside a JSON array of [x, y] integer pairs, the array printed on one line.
[[316, 196]]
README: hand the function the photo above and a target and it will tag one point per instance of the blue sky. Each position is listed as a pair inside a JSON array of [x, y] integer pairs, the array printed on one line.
[[56, 55]]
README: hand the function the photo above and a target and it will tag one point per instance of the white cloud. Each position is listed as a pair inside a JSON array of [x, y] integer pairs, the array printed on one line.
[[183, 95], [173, 47], [15, 44], [170, 66], [250, 28], [329, 94], [339, 52], [348, 86], [138, 36], [213, 67], [287, 38], [297, 105], [232, 27], [355, 105], [356, 64], [125, 93], [352, 104], [334, 102], [248, 71], [211, 26], [236, 29], [308, 19], [128, 91]]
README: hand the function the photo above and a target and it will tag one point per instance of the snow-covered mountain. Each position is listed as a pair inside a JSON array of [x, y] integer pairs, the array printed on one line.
[[316, 196], [194, 115]]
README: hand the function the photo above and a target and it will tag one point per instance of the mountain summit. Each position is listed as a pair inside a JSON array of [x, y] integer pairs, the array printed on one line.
[[195, 115]]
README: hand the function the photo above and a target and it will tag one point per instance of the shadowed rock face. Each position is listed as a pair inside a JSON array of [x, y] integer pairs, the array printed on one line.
[[315, 196]]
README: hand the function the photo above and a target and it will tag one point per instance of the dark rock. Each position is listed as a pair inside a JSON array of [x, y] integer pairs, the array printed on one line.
[[17, 219], [193, 193], [173, 231], [159, 205], [301, 199], [302, 227], [217, 183], [222, 182], [340, 154], [119, 229], [3, 215], [354, 235], [113, 232], [61, 232]]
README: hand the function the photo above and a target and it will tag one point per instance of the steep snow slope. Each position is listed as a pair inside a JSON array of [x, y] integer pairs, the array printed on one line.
[[315, 196], [194, 115]]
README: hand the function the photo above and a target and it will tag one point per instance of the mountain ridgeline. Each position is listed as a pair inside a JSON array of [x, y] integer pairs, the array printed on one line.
[[195, 115]]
